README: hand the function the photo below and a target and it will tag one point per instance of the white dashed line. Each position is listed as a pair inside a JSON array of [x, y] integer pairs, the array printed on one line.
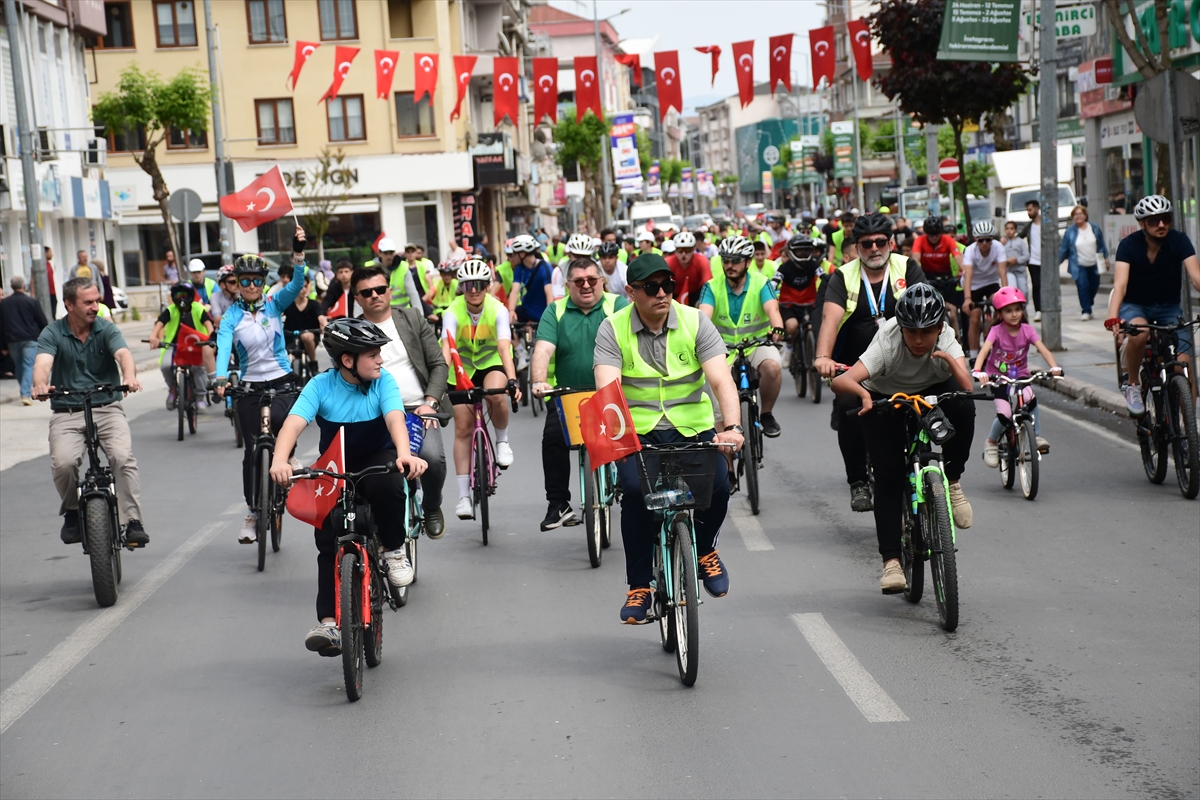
[[860, 687], [1092, 427], [750, 529]]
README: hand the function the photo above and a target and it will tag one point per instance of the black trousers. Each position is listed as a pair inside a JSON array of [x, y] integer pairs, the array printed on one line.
[[888, 445], [850, 438], [556, 460], [387, 496], [249, 416], [1035, 282]]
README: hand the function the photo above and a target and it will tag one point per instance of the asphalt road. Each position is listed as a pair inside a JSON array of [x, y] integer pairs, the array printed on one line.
[[1073, 672]]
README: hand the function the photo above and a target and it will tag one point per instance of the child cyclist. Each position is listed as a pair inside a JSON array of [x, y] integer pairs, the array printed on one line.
[[1006, 352], [364, 400]]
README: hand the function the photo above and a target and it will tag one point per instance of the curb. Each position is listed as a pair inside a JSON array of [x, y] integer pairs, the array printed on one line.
[[1089, 394]]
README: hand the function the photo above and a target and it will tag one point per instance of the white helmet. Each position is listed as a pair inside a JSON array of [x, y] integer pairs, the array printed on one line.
[[645, 236], [580, 244], [474, 270], [983, 228], [1151, 206], [736, 246], [668, 246], [196, 265], [685, 239], [525, 244]]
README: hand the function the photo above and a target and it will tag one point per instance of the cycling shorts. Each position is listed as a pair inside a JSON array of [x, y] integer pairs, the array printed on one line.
[[478, 375], [948, 287], [1165, 314], [796, 312], [980, 295]]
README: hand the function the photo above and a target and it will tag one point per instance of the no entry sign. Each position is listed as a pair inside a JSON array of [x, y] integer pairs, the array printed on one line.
[[948, 170]]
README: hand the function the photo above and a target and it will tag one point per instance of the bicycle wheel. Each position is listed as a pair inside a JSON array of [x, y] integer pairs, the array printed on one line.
[[180, 400], [537, 406], [912, 556], [277, 518], [523, 385], [1028, 460], [591, 510], [814, 377], [231, 412], [686, 612], [750, 453], [662, 602], [482, 483], [373, 633], [1151, 436], [799, 365], [943, 565], [265, 506], [1006, 450], [1185, 446], [605, 477], [101, 550], [350, 625]]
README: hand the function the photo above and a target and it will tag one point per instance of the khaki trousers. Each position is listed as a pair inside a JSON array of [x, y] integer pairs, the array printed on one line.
[[68, 448]]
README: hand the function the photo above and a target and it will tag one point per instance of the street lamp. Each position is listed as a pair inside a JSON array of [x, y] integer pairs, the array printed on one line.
[[606, 145]]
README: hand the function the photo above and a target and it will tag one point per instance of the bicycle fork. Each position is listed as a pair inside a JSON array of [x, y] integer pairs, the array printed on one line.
[[350, 542]]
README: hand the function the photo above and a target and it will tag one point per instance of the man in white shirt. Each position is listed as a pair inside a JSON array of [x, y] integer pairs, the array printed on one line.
[[612, 268], [1032, 234], [984, 272]]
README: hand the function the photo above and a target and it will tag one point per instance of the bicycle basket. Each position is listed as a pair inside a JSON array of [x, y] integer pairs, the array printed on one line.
[[678, 478], [416, 432]]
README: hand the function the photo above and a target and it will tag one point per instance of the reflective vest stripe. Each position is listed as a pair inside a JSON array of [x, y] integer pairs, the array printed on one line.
[[896, 270], [481, 349], [752, 322]]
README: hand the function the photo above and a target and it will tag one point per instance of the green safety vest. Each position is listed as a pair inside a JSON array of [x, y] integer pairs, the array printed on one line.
[[444, 294], [607, 305], [896, 270], [753, 322], [171, 329], [623, 256], [400, 297], [555, 253], [505, 271], [679, 395], [767, 270], [480, 347]]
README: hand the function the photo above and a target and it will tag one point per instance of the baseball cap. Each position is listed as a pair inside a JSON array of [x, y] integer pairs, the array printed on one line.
[[644, 266], [195, 265], [386, 245]]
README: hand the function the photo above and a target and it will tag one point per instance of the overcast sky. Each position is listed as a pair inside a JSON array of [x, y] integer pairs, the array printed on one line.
[[686, 24]]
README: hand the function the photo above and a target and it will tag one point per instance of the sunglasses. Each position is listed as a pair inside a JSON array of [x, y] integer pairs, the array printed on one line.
[[734, 260], [872, 244], [652, 288], [246, 283], [1158, 219], [365, 294], [581, 282], [474, 286], [984, 239]]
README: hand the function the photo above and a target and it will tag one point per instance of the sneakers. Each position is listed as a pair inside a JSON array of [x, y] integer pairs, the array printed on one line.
[[201, 405], [893, 581], [171, 400], [714, 575], [637, 606], [70, 528], [1133, 400], [991, 454], [769, 425], [325, 639], [1042, 445], [960, 507], [556, 517], [1037, 316], [786, 356], [26, 401], [435, 524], [504, 455], [860, 497], [249, 532], [463, 509], [400, 570], [135, 534]]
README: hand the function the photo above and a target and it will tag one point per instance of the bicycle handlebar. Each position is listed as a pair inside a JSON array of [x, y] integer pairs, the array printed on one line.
[[750, 344], [1133, 329], [561, 390], [1032, 377], [313, 472], [913, 402], [464, 397], [100, 388], [164, 345]]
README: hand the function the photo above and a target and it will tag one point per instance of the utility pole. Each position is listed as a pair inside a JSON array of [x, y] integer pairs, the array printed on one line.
[[218, 134], [931, 162], [858, 155], [27, 138], [900, 156], [1048, 113], [606, 144]]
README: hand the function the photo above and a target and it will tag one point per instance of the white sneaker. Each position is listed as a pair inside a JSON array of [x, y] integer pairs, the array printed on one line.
[[504, 455], [249, 532], [1084, 317], [991, 455], [201, 405], [464, 509], [787, 356], [325, 639], [400, 571], [1037, 316]]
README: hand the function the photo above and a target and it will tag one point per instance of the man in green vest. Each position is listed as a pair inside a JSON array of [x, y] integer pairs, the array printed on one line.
[[838, 240], [562, 355], [185, 309], [662, 352], [400, 277]]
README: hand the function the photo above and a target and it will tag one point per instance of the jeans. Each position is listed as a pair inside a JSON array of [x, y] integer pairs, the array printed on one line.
[[23, 354], [1087, 280], [68, 447], [1035, 280], [1162, 314], [556, 461], [639, 527], [1019, 277], [434, 478]]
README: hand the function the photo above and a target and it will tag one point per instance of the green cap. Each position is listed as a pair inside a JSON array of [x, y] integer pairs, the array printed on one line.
[[644, 266]]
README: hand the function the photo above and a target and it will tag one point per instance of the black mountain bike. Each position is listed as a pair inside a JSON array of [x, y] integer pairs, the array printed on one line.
[[804, 375], [527, 331], [302, 368], [745, 378]]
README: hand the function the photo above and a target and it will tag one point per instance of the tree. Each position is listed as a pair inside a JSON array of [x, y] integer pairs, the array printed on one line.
[[320, 191], [645, 153], [975, 173], [937, 92], [145, 102], [579, 145], [670, 173]]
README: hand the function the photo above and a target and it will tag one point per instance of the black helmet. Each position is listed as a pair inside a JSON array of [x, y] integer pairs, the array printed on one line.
[[182, 294], [869, 224], [802, 248], [249, 264], [933, 226], [920, 306], [352, 335], [610, 249], [776, 216]]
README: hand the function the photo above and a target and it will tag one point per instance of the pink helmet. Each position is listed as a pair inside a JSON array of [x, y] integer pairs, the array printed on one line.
[[1006, 297]]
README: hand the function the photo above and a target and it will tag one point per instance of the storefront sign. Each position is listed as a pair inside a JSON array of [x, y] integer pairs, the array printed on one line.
[[843, 149], [88, 199], [980, 30], [1069, 21], [1119, 129], [466, 226], [1064, 130], [494, 162], [1183, 25], [768, 182], [123, 198]]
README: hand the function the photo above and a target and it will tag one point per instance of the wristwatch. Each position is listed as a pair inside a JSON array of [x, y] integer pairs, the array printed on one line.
[[432, 404], [736, 429]]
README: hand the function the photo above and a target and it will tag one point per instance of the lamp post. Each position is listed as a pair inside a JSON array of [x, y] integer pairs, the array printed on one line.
[[606, 145]]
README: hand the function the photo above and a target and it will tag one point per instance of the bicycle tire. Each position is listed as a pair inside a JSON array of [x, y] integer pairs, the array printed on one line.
[[116, 559], [591, 511], [943, 564], [238, 442], [1185, 444], [799, 365], [265, 507], [180, 400], [606, 506], [1006, 453], [523, 385], [481, 485], [277, 519], [537, 405], [814, 377], [1150, 437], [102, 550], [350, 625], [912, 555], [749, 455], [373, 635], [662, 603], [686, 611], [1028, 460]]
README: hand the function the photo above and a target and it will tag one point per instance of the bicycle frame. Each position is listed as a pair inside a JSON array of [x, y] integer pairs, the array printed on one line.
[[480, 430], [98, 480]]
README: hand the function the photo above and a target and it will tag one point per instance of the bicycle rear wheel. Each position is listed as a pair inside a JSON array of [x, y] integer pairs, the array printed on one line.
[[231, 412], [799, 366], [686, 612], [943, 565], [277, 517], [181, 400], [1028, 460], [750, 453], [350, 624], [1185, 445], [482, 482], [1006, 450], [373, 636], [1151, 428], [662, 602], [193, 408], [814, 377], [102, 549], [265, 507], [591, 510]]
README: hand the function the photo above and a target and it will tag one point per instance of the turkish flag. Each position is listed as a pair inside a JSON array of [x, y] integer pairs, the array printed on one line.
[[545, 89], [781, 61], [311, 499], [587, 88], [860, 44], [265, 199], [820, 40], [187, 346], [607, 426], [666, 72], [385, 71], [504, 89], [425, 73], [341, 68], [303, 51], [743, 63], [463, 67], [461, 381], [634, 62], [715, 52], [341, 308]]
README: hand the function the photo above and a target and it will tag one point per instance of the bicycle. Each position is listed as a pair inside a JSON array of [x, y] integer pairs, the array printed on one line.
[[598, 487], [1017, 447], [102, 534], [745, 378], [1170, 418], [269, 498], [186, 402], [804, 375], [484, 471], [675, 480], [414, 521], [527, 332], [302, 368]]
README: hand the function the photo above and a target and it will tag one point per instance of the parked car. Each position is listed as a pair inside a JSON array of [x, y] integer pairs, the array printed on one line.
[[120, 298]]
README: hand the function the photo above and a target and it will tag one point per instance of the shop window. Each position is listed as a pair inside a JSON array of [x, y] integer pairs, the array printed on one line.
[[275, 123], [187, 140], [175, 23], [413, 119], [266, 21], [400, 19], [338, 19], [422, 227], [346, 122]]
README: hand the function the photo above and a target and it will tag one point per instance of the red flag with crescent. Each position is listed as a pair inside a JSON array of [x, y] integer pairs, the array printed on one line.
[[461, 381], [587, 88], [607, 426], [781, 61], [634, 62], [545, 89], [504, 89], [820, 41], [743, 64], [425, 73], [715, 52], [666, 72], [463, 67], [860, 44], [303, 51], [265, 199], [311, 499], [340, 307], [187, 346], [385, 72], [341, 68]]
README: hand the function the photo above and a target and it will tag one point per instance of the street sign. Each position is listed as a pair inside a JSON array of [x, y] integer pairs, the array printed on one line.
[[185, 205], [948, 170], [1150, 107]]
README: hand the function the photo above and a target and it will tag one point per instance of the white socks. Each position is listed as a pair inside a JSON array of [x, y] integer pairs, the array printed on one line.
[[464, 485], [501, 434]]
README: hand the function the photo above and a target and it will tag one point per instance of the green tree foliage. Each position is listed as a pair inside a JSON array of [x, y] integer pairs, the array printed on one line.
[[145, 102], [645, 156], [321, 190], [670, 173], [579, 145], [975, 175]]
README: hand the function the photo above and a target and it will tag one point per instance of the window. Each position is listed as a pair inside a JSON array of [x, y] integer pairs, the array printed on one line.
[[400, 19], [275, 124], [175, 23], [266, 21], [187, 140], [130, 140], [118, 18], [346, 118], [337, 19], [413, 119]]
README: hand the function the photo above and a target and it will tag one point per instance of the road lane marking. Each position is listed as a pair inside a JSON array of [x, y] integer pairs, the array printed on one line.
[[750, 529], [54, 666], [233, 509], [860, 687], [1092, 427]]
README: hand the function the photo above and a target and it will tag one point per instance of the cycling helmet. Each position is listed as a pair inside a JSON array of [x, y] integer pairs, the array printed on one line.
[[196, 265], [182, 294], [685, 239], [525, 244], [871, 224], [736, 247], [645, 236], [224, 272], [1006, 296], [608, 249], [580, 244], [983, 228], [920, 306], [802, 248], [250, 264], [933, 227], [474, 270], [1151, 206], [508, 247]]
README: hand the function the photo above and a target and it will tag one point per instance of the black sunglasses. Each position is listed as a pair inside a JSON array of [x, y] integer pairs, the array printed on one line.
[[246, 283], [370, 290], [474, 286], [652, 288], [1158, 219], [733, 260], [872, 244]]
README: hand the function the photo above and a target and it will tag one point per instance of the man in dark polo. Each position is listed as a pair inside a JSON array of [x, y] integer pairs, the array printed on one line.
[[80, 351]]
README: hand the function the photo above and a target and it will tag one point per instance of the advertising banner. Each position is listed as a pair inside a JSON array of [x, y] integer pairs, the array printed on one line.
[[843, 149], [653, 187], [980, 30], [627, 167]]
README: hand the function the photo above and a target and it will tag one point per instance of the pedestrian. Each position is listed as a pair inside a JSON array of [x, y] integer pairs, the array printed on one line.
[[170, 269], [1083, 247], [103, 283], [481, 248], [83, 269], [1032, 234], [1016, 257], [21, 321], [51, 281]]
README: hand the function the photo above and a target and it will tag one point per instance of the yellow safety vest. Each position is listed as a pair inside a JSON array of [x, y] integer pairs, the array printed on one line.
[[171, 329], [896, 270], [753, 321], [444, 293], [478, 345]]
